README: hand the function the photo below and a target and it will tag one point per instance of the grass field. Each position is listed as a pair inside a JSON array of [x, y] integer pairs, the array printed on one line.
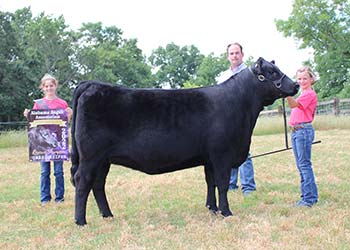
[[168, 211]]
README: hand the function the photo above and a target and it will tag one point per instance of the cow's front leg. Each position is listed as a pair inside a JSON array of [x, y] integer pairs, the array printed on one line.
[[82, 190], [211, 197], [100, 193]]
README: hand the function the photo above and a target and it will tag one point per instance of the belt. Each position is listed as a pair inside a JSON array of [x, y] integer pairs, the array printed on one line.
[[299, 126]]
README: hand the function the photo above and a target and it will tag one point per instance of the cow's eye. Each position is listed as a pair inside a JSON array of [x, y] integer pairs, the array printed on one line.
[[273, 73]]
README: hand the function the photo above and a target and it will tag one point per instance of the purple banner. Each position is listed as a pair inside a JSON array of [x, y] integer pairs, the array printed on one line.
[[48, 135]]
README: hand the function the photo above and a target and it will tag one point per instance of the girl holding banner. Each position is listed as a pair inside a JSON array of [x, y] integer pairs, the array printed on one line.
[[50, 101]]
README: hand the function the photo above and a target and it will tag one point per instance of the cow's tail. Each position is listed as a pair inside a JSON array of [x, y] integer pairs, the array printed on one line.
[[74, 151]]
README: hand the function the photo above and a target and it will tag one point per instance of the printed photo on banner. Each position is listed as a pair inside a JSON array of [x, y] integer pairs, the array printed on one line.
[[48, 135]]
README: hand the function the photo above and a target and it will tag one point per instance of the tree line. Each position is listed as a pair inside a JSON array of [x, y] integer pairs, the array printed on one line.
[[34, 45]]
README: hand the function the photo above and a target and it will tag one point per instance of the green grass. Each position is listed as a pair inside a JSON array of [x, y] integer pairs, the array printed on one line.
[[13, 139], [275, 125], [167, 211]]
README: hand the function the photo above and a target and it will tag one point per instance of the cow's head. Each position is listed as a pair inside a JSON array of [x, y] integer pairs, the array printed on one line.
[[273, 82], [43, 137]]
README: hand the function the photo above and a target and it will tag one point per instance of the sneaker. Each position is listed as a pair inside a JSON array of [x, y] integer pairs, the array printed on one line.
[[247, 193], [44, 203], [302, 203], [60, 201], [230, 188]]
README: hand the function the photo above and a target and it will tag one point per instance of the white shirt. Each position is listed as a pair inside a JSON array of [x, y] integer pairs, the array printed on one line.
[[229, 73]]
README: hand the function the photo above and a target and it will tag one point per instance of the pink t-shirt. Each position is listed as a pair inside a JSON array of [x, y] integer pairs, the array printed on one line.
[[305, 112], [57, 103]]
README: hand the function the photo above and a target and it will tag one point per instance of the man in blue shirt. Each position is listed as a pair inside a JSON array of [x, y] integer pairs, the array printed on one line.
[[246, 170]]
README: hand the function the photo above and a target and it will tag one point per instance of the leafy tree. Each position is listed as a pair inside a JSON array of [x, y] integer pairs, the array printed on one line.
[[32, 47], [190, 85], [323, 25], [132, 66], [105, 56], [210, 67], [49, 48], [249, 61], [7, 52], [14, 81], [175, 65]]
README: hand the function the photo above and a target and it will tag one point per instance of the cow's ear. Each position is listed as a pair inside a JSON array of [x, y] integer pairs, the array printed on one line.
[[258, 65], [273, 61]]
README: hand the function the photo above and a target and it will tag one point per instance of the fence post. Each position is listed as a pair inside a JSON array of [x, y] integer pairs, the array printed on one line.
[[336, 110], [280, 110]]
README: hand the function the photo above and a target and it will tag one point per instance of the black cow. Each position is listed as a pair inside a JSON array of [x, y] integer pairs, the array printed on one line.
[[157, 131]]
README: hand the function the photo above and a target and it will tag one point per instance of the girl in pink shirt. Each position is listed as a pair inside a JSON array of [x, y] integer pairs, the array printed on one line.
[[302, 135], [51, 101]]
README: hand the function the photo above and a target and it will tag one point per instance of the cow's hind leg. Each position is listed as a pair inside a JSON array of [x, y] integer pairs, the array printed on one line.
[[83, 185], [99, 191], [73, 170], [211, 197]]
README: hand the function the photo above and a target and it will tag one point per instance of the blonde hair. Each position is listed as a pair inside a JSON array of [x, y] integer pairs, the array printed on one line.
[[308, 70], [48, 77]]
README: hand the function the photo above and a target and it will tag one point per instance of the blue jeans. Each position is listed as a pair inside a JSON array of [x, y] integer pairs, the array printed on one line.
[[45, 182], [246, 172], [301, 142]]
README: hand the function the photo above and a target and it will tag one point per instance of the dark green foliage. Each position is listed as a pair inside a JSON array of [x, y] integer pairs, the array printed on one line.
[[323, 26], [175, 65]]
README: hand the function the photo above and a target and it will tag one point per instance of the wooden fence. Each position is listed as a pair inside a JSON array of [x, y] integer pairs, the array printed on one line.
[[332, 107]]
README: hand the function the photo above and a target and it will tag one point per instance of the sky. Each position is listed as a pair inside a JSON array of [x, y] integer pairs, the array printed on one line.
[[208, 25]]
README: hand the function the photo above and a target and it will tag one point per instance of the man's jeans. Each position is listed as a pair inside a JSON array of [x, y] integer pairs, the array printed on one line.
[[301, 142], [246, 172], [45, 182]]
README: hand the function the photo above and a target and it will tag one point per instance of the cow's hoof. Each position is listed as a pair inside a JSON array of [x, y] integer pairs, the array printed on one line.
[[80, 223], [214, 212], [106, 216], [213, 209], [226, 213], [109, 218]]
